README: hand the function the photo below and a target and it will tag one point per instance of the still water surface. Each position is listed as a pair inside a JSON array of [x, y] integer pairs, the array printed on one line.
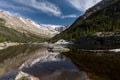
[[36, 60]]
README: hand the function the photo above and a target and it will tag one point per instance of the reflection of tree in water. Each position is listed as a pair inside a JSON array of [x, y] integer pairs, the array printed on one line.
[[105, 65]]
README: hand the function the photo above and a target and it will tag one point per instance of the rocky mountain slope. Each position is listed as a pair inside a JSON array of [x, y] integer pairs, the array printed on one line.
[[103, 18], [96, 7], [61, 29], [11, 35], [19, 29], [26, 25]]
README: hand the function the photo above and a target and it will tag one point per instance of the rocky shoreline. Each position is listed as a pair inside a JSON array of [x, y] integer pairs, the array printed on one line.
[[6, 44], [99, 42]]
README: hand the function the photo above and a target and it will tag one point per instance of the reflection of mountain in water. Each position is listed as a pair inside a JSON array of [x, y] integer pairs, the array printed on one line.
[[37, 61], [15, 56]]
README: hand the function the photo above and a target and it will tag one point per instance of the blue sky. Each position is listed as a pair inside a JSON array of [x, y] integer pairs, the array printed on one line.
[[55, 12]]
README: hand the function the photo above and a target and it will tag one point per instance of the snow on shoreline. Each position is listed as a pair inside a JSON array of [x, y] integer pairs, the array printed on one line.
[[109, 50], [114, 50]]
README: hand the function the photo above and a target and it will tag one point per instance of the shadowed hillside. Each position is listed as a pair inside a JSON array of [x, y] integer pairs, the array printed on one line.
[[105, 19]]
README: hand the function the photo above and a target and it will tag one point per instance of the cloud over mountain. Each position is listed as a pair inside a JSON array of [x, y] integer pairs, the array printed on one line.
[[48, 11], [82, 5]]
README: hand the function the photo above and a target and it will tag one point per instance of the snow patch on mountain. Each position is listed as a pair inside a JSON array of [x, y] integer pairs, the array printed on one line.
[[22, 20], [25, 25], [36, 24], [50, 25]]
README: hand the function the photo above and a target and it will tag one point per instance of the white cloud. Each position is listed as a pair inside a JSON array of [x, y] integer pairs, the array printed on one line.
[[70, 16], [47, 7], [5, 4], [42, 5], [82, 5]]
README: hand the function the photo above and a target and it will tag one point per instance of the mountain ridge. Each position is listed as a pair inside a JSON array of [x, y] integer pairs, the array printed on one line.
[[22, 28], [26, 25], [101, 20]]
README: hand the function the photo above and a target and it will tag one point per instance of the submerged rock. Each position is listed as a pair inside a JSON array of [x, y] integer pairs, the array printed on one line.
[[24, 76], [58, 48], [62, 41]]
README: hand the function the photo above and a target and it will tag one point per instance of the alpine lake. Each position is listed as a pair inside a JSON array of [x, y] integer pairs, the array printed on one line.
[[77, 64]]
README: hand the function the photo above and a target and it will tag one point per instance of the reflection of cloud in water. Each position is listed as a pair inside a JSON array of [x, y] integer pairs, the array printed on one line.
[[55, 70], [43, 64]]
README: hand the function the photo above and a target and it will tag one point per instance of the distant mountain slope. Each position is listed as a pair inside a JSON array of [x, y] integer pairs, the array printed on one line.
[[27, 26], [18, 29], [12, 35], [100, 18]]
